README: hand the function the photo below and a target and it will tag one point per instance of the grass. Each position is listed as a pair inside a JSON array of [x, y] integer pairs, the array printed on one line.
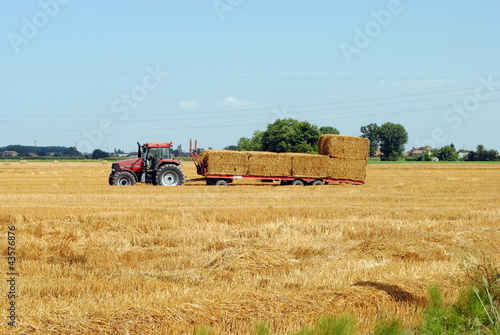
[[97, 259]]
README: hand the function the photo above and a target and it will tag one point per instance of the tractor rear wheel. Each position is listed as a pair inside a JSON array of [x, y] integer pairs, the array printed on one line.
[[122, 178], [169, 175]]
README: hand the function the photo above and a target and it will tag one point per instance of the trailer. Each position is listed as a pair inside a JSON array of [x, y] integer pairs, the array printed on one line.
[[226, 179]]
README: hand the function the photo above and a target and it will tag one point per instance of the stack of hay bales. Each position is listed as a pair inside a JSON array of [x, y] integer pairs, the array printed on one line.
[[348, 156], [309, 166], [225, 162], [341, 157], [269, 164]]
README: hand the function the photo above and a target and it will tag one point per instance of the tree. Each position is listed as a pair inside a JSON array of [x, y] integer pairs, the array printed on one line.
[[251, 144], [481, 154], [290, 135], [98, 154], [447, 153], [371, 132], [73, 152], [393, 138], [230, 147], [329, 130]]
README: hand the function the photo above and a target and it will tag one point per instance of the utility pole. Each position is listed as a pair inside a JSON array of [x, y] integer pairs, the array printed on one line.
[[35, 147]]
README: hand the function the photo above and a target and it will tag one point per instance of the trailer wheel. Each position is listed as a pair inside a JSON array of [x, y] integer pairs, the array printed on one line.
[[298, 182], [221, 182], [318, 182], [122, 178], [169, 175]]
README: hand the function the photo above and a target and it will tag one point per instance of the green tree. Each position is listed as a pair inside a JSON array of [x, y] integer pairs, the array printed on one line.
[[393, 138], [290, 135], [251, 144], [98, 154], [481, 154], [447, 153], [73, 152], [329, 130], [230, 147], [371, 132]]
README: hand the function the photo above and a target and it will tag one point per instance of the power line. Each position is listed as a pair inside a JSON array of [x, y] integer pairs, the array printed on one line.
[[273, 108], [261, 123]]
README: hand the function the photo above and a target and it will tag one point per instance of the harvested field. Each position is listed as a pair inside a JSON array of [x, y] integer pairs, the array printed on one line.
[[341, 146], [96, 259]]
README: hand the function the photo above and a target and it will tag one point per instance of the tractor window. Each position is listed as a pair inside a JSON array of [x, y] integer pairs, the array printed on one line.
[[164, 153]]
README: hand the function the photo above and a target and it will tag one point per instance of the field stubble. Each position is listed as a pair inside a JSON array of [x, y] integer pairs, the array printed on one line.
[[99, 259]]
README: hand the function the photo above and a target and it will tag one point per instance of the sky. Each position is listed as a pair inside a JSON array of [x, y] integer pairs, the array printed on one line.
[[107, 74]]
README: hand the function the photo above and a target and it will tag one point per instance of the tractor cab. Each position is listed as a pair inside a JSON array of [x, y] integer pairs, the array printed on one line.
[[154, 153]]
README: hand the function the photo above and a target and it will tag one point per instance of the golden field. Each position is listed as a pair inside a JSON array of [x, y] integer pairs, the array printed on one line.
[[98, 259]]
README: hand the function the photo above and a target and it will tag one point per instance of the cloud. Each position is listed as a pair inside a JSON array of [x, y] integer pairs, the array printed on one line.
[[190, 104], [238, 103]]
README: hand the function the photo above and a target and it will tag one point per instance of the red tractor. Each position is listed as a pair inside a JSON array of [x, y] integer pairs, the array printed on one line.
[[153, 165]]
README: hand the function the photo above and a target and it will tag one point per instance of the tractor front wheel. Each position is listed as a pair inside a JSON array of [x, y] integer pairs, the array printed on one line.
[[122, 178], [169, 175]]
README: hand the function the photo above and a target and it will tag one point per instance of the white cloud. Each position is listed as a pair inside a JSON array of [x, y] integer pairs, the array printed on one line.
[[190, 104], [238, 103]]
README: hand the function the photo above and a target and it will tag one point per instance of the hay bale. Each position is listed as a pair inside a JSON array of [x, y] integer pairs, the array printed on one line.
[[343, 168], [225, 162], [312, 166], [341, 146], [55, 161], [22, 161], [269, 164]]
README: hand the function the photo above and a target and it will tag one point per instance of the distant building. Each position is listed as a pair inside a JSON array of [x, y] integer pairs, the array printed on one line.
[[415, 152], [9, 153]]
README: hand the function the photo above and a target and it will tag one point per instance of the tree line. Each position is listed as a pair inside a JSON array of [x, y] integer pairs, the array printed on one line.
[[290, 135]]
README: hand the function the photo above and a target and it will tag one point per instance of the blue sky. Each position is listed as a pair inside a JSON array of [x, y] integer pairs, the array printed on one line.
[[106, 74]]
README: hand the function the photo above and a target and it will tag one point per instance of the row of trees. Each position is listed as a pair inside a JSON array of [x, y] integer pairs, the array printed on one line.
[[449, 153], [290, 135]]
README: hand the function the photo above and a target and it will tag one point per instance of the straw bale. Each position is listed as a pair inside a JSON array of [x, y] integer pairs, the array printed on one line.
[[343, 168], [306, 165], [269, 164], [225, 162], [341, 146]]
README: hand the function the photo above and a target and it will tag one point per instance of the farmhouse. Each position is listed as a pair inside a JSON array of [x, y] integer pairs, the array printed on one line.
[[9, 153], [415, 152]]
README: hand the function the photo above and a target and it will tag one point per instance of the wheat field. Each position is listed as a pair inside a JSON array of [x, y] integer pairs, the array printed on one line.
[[97, 259]]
